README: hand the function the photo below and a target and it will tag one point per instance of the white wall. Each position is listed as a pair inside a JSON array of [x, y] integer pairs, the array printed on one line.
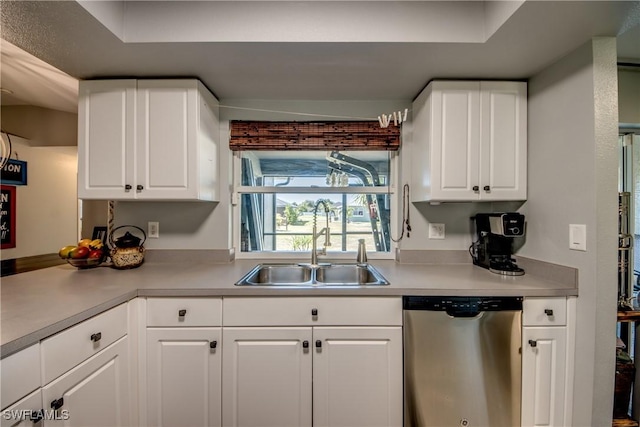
[[47, 208], [41, 126], [573, 180]]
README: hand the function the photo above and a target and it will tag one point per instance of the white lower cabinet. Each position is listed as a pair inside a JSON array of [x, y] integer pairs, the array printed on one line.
[[357, 376], [260, 362], [94, 393], [331, 374], [183, 362], [267, 377], [19, 378], [183, 377], [544, 362]]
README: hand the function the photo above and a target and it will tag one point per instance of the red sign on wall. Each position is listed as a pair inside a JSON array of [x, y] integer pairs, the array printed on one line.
[[7, 217]]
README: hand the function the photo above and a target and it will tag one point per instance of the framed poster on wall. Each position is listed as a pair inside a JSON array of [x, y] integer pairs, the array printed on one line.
[[8, 216]]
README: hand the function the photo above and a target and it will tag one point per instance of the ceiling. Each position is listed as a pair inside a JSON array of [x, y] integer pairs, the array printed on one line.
[[295, 50]]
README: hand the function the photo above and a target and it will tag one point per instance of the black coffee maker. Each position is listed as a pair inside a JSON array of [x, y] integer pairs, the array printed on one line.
[[494, 244]]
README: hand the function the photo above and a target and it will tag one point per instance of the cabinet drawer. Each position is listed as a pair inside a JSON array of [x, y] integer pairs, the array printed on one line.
[[184, 312], [20, 374], [68, 348], [299, 311], [544, 311], [20, 411]]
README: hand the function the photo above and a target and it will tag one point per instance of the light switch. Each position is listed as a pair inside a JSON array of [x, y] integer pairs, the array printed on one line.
[[578, 237]]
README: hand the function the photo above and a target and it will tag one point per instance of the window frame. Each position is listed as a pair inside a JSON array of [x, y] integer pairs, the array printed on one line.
[[238, 190]]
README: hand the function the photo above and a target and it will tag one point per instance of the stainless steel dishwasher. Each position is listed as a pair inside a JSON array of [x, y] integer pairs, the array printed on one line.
[[462, 361]]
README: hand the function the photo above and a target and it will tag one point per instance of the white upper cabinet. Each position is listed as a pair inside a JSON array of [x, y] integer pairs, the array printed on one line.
[[470, 142], [106, 138], [147, 140]]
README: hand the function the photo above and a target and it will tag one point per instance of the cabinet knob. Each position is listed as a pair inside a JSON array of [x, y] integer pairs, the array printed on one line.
[[548, 312], [36, 416], [476, 188], [96, 337], [127, 187], [57, 404], [533, 343], [305, 344], [318, 344], [314, 311], [213, 344], [487, 188], [182, 313], [139, 187]]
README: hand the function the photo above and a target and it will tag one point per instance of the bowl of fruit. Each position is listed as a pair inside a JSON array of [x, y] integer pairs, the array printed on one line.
[[87, 253]]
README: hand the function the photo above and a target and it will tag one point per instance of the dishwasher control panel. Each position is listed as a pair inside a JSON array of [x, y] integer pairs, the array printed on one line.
[[461, 306]]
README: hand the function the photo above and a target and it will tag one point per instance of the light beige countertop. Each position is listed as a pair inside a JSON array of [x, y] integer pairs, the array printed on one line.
[[37, 304]]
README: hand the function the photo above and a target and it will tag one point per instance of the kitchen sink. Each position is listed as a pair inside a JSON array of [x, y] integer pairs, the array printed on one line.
[[278, 274], [306, 275], [339, 274]]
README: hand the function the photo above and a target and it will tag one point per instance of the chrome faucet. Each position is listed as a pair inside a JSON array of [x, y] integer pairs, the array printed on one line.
[[316, 234]]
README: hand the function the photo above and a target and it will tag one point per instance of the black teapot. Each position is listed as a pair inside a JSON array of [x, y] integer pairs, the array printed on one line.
[[127, 251]]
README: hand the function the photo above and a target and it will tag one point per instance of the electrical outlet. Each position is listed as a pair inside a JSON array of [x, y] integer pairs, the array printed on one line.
[[436, 231], [153, 229]]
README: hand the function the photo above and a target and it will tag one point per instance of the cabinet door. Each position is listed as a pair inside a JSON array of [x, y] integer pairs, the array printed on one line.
[[184, 376], [166, 144], [357, 377], [455, 109], [543, 376], [23, 413], [106, 139], [94, 393], [503, 156], [266, 379]]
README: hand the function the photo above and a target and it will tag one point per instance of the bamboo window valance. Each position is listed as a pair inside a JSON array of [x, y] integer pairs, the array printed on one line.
[[339, 135]]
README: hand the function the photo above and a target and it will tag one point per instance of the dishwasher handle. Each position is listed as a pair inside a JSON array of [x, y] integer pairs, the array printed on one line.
[[464, 313]]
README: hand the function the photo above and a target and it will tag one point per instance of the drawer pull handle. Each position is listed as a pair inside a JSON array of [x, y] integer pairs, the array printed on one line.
[[213, 344], [139, 187], [314, 311], [487, 188], [36, 416], [127, 187], [318, 344], [182, 313], [96, 337], [533, 343], [57, 404], [305, 344], [476, 188], [548, 312]]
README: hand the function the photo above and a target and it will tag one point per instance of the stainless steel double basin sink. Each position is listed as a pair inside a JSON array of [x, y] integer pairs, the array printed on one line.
[[308, 275]]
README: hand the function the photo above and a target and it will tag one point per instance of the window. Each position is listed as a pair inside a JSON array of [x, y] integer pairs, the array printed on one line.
[[279, 190]]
